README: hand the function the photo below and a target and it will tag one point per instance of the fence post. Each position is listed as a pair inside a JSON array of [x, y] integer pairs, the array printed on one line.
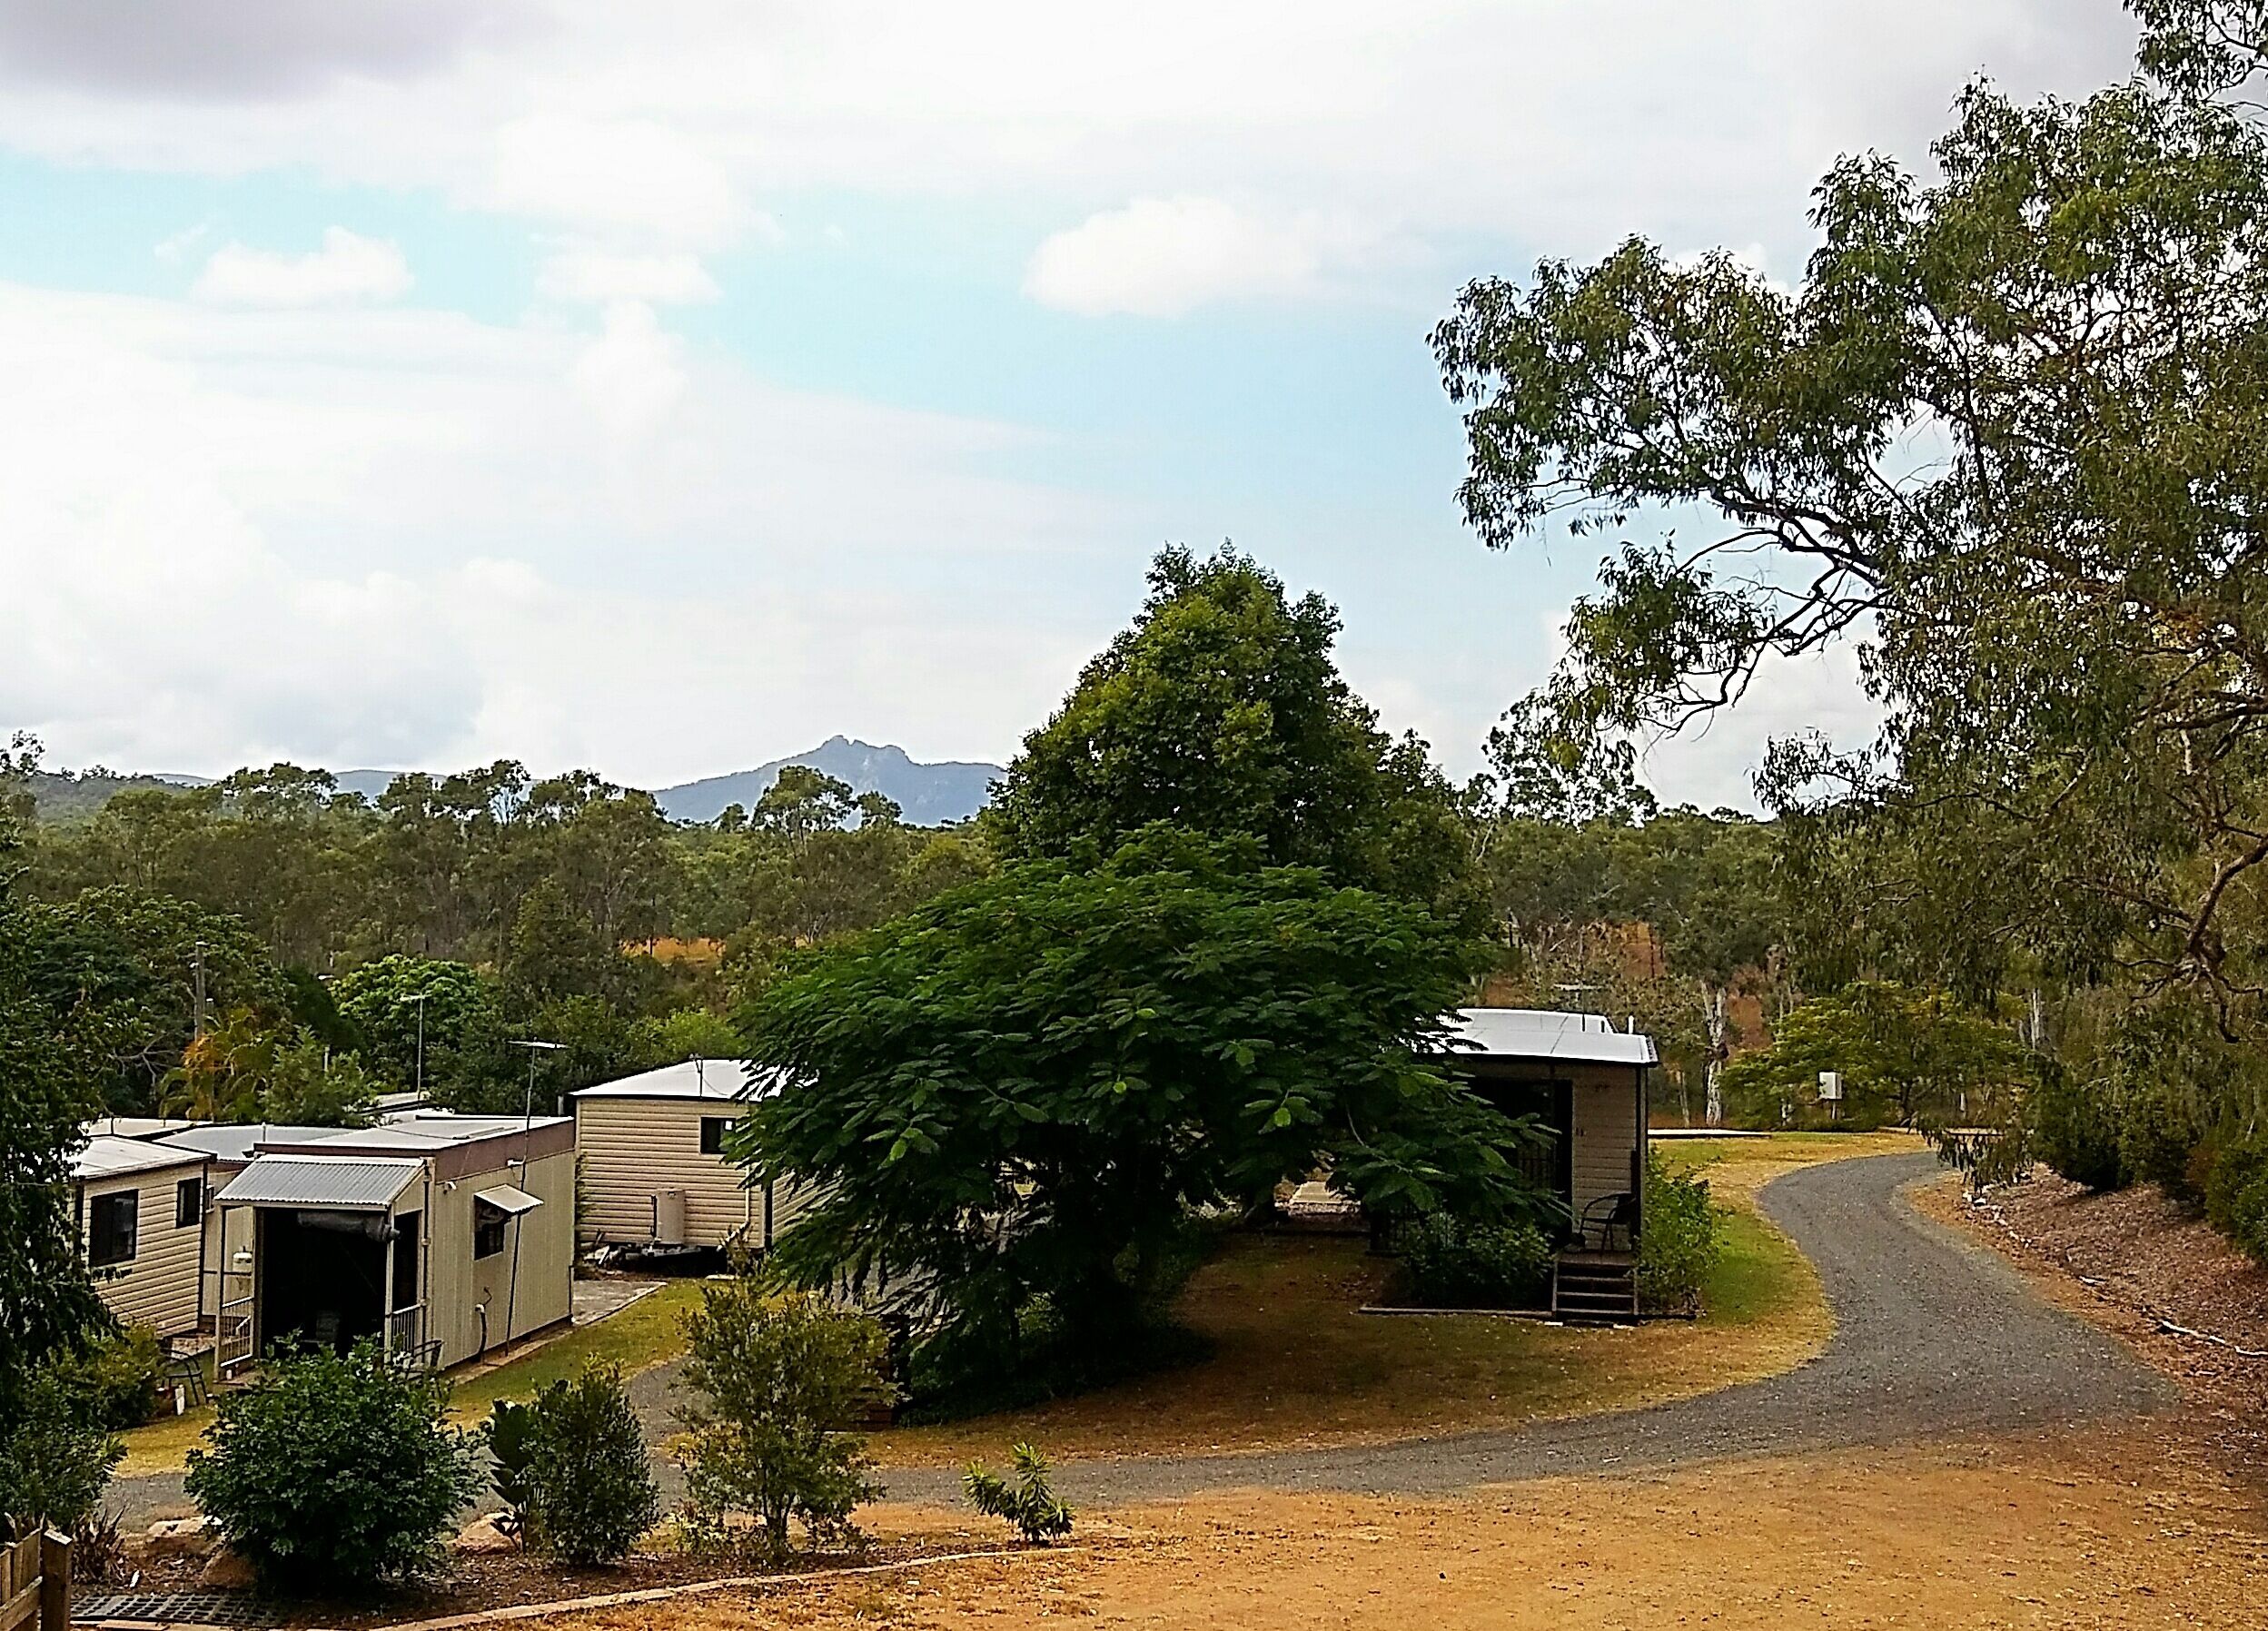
[[54, 1582]]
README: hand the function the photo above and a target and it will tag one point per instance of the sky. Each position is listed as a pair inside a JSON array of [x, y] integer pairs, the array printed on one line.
[[665, 388]]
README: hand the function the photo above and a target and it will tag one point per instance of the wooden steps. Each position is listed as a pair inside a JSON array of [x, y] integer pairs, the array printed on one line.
[[1595, 1287]]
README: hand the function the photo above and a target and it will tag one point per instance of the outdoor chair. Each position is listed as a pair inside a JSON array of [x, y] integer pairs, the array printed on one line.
[[1604, 1217]]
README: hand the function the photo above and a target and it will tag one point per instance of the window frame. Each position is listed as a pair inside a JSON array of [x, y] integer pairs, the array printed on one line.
[[713, 1130], [189, 1202], [489, 1224], [100, 1239]]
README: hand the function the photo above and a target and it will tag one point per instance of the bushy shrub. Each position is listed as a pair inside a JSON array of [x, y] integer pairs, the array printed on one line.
[[335, 1470], [1450, 1263], [571, 1469], [1030, 1503], [120, 1378], [2075, 1130], [777, 1382], [57, 1460], [1678, 1242], [2237, 1195]]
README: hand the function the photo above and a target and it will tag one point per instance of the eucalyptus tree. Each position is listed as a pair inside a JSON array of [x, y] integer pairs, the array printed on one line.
[[2006, 433]]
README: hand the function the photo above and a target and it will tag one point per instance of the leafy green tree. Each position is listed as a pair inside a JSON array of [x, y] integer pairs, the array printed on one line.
[[307, 1086], [1030, 1503], [54, 1055], [403, 1005], [1220, 711], [776, 1381], [1999, 434], [1020, 1091], [1905, 1056]]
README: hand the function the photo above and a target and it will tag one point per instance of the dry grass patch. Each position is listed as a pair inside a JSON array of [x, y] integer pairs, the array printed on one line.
[[1295, 1365]]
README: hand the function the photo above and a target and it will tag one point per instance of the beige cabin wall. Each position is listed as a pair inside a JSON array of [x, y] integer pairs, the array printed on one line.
[[159, 1286], [631, 1148], [456, 1286], [1609, 1118]]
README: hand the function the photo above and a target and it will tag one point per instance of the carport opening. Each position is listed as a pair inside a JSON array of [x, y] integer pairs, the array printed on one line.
[[322, 1278]]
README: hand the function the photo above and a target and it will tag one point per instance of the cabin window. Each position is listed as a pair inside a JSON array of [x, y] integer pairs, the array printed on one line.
[[189, 1203], [713, 1134], [488, 1231], [112, 1223]]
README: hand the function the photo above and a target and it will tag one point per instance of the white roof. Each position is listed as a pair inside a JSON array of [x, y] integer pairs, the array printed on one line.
[[352, 1184], [237, 1141], [427, 1131], [109, 1156], [138, 1126], [720, 1080], [1545, 1034]]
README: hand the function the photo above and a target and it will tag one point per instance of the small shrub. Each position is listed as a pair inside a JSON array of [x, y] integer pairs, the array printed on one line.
[[2074, 1128], [56, 1462], [98, 1551], [571, 1469], [335, 1471], [1029, 1503], [120, 1378], [1678, 1240], [1450, 1263], [2236, 1196], [778, 1381]]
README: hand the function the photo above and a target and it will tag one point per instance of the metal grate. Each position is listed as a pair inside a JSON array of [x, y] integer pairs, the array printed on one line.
[[233, 1609]]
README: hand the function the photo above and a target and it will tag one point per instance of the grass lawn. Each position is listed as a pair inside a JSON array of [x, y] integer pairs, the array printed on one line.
[[642, 1335], [1293, 1364]]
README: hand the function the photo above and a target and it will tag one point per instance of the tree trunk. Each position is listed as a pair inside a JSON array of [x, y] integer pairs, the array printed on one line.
[[1713, 1016]]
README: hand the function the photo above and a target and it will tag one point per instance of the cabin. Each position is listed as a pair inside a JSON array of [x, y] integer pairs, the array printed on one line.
[[441, 1236], [140, 1210], [1586, 1083], [228, 1148], [655, 1172]]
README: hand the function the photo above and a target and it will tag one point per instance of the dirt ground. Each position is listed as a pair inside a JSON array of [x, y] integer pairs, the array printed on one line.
[[2132, 1532]]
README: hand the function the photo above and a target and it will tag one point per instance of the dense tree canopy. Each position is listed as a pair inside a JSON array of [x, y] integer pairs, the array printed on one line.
[[1220, 711], [1021, 1091]]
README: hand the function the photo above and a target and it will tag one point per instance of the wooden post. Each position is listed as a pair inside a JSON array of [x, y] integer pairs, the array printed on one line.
[[54, 1582]]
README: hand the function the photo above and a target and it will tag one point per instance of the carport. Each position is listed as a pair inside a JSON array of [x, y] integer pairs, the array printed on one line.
[[336, 1255]]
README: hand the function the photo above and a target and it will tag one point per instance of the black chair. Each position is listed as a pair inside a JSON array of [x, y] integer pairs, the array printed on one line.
[[1604, 1216]]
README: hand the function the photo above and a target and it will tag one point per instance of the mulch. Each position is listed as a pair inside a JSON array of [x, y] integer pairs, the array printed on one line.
[[475, 1582], [2157, 1270]]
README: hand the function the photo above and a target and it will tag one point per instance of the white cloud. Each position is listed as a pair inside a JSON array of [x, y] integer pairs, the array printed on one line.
[[395, 536], [599, 277], [348, 267], [633, 374], [1161, 257], [634, 176], [1559, 125]]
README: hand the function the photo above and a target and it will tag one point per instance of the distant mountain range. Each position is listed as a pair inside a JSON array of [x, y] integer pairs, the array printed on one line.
[[928, 795]]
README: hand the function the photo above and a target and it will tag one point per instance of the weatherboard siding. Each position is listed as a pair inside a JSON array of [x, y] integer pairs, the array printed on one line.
[[1606, 1120], [158, 1286], [633, 1148]]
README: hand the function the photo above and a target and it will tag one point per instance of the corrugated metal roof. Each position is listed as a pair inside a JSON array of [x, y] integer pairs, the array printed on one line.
[[710, 1079], [106, 1156], [1545, 1034], [505, 1198], [349, 1182], [236, 1141]]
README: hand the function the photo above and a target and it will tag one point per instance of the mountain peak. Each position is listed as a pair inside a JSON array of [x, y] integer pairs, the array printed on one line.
[[929, 795]]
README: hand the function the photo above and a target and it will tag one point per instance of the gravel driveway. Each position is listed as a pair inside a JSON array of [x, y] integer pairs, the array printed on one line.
[[1933, 1337]]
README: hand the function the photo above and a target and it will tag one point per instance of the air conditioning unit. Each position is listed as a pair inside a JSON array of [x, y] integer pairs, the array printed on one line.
[[669, 1217]]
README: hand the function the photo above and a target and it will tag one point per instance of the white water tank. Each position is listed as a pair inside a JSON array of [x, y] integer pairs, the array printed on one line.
[[669, 1217]]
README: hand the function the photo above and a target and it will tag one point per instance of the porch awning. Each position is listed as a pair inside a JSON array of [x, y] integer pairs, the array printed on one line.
[[368, 1183], [507, 1200]]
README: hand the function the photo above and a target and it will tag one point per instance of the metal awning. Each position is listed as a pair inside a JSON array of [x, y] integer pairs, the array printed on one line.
[[370, 1183], [508, 1200]]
